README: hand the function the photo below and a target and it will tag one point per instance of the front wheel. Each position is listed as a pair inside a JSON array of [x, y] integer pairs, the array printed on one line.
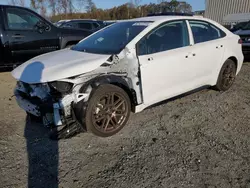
[[227, 76], [108, 110]]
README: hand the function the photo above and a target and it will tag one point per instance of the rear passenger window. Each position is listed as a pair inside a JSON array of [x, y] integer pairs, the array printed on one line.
[[203, 31], [169, 36], [87, 26], [69, 25]]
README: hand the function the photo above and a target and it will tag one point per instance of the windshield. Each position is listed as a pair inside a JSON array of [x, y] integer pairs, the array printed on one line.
[[113, 39]]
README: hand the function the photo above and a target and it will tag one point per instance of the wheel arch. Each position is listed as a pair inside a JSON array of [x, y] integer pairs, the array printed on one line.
[[224, 83], [219, 67], [118, 81], [234, 59]]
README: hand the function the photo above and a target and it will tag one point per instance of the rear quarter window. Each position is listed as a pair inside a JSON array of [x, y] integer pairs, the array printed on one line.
[[204, 31]]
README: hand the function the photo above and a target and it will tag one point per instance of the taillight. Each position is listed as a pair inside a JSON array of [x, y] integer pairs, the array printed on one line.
[[240, 41]]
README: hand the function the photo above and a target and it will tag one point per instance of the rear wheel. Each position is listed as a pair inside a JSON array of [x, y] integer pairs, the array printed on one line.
[[227, 76], [108, 110]]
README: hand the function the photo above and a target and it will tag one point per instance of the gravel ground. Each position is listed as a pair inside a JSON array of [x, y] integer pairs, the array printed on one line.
[[200, 140]]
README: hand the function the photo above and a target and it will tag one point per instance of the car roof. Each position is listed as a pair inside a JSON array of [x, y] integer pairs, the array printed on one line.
[[84, 20], [166, 18]]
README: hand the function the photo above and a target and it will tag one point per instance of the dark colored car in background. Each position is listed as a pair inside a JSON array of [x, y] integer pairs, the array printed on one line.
[[91, 25], [244, 34], [238, 26], [25, 34]]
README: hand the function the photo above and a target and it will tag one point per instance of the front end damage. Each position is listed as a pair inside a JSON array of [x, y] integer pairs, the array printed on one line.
[[55, 101], [54, 108]]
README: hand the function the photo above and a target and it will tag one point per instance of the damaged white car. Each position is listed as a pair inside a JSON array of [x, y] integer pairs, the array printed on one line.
[[126, 67]]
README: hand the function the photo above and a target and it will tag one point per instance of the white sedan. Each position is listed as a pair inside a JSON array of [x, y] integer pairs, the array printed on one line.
[[126, 67]]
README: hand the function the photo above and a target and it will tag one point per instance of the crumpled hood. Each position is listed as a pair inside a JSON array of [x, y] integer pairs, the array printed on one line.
[[57, 65]]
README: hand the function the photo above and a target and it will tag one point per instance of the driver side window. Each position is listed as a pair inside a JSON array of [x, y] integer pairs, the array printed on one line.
[[18, 19], [169, 36]]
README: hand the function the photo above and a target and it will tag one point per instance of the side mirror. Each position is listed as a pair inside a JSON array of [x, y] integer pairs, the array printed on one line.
[[42, 26]]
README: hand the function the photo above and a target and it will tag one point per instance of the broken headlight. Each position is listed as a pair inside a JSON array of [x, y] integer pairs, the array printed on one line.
[[62, 87]]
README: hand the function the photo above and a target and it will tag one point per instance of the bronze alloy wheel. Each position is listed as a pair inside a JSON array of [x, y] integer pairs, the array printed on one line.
[[108, 110]]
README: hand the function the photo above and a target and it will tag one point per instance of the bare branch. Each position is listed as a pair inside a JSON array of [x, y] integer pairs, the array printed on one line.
[[17, 2]]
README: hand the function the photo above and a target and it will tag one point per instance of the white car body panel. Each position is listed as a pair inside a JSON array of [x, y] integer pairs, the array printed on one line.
[[174, 74], [204, 67], [58, 65], [233, 50], [208, 55]]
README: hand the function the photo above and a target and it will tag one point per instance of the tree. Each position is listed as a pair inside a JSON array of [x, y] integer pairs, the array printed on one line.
[[17, 2], [135, 3], [161, 4], [70, 9], [43, 11], [184, 7], [39, 5], [33, 4], [53, 5], [89, 5], [64, 5], [173, 4]]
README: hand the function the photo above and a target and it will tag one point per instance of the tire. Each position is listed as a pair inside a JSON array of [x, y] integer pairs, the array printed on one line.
[[108, 110], [227, 76]]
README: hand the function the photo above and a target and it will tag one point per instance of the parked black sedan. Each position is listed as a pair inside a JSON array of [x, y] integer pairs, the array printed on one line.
[[89, 24]]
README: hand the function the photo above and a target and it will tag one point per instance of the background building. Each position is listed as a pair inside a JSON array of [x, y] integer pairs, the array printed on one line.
[[217, 10]]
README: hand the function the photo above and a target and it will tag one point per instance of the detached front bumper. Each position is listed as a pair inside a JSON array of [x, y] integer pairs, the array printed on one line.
[[28, 106], [55, 108], [49, 111]]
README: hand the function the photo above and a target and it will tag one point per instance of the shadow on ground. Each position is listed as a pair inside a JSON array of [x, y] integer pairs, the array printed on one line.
[[42, 156], [42, 152]]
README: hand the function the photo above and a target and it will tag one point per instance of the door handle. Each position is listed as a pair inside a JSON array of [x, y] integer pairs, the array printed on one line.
[[150, 59], [220, 46], [190, 55], [18, 36]]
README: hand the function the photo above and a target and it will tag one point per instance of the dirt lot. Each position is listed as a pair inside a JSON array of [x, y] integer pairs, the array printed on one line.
[[201, 141]]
